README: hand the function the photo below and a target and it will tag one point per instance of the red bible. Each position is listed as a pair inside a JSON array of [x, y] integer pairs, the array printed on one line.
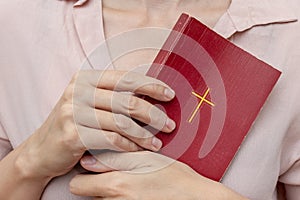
[[220, 90]]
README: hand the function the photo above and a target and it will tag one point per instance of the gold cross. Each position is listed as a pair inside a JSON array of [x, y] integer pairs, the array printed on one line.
[[203, 99]]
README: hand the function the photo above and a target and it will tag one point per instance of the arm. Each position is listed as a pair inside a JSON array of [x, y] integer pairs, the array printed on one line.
[[146, 176], [89, 115], [13, 177], [17, 179]]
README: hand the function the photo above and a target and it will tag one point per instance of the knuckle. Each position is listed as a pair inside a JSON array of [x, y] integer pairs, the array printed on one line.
[[73, 141], [70, 138], [154, 87], [144, 135], [68, 93], [75, 76], [128, 78], [158, 124], [79, 75], [134, 104], [120, 142], [114, 138], [154, 90], [158, 89], [117, 101], [132, 147], [145, 142], [78, 89], [123, 123], [78, 93], [83, 93], [66, 112], [157, 117]]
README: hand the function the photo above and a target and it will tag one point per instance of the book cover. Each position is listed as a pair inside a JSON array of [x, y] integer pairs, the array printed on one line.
[[220, 90]]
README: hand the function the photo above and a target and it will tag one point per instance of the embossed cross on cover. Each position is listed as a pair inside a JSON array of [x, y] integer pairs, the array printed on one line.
[[220, 89]]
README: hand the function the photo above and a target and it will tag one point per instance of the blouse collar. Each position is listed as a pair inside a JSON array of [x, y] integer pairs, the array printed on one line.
[[245, 14]]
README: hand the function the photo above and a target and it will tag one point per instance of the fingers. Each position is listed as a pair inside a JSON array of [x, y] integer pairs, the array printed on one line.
[[101, 139], [109, 109], [93, 185], [91, 163], [134, 107], [117, 123], [135, 162], [128, 81], [112, 161], [121, 103]]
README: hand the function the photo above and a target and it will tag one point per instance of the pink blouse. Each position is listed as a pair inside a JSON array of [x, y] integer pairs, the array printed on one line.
[[43, 42]]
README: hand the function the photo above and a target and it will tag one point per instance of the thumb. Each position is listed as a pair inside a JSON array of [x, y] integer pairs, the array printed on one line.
[[142, 161], [113, 161], [91, 163]]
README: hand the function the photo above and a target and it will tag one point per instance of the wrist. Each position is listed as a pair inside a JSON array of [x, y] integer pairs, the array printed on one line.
[[27, 164], [28, 177], [21, 180]]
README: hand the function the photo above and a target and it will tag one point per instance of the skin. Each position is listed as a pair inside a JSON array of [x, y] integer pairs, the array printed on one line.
[[147, 175], [84, 119], [121, 16], [78, 122]]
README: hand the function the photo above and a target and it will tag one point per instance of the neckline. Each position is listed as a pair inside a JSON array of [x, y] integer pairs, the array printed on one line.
[[104, 39], [103, 27]]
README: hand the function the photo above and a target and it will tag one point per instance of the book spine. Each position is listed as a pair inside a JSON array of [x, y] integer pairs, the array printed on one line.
[[169, 45]]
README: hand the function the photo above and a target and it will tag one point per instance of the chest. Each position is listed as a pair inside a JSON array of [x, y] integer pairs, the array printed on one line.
[[140, 35]]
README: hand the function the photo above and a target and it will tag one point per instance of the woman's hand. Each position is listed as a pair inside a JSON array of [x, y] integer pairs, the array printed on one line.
[[145, 176], [95, 113]]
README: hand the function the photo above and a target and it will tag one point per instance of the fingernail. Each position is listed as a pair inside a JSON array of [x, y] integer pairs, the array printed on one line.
[[171, 125], [157, 143], [169, 93], [88, 160]]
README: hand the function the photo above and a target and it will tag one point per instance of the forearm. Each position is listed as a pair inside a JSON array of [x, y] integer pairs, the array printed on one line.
[[17, 180], [171, 179]]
